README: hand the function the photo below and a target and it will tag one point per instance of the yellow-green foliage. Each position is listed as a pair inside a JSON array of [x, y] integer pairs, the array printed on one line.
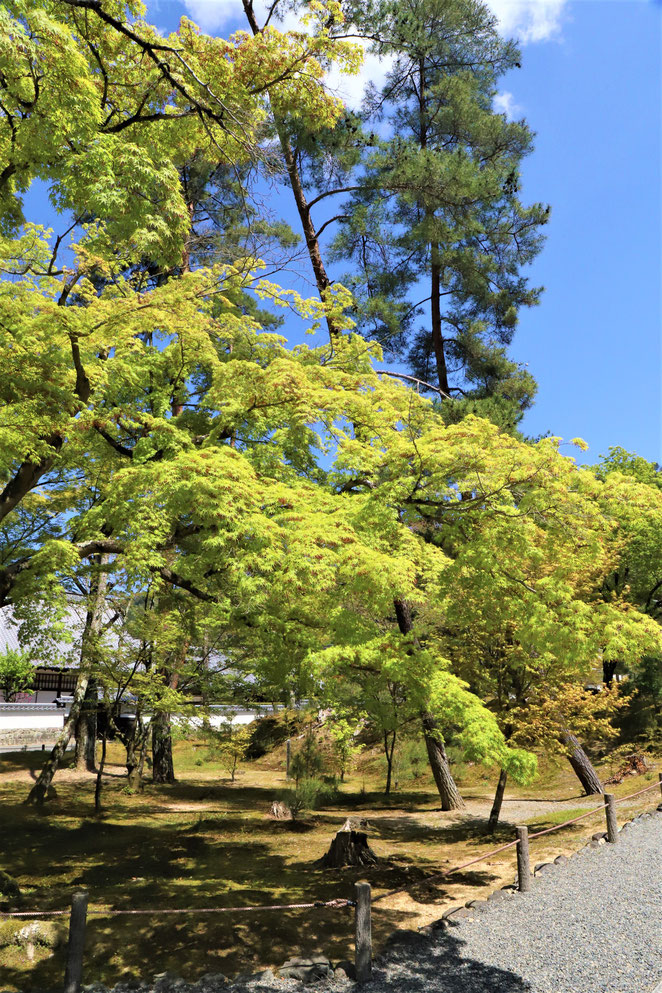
[[285, 496]]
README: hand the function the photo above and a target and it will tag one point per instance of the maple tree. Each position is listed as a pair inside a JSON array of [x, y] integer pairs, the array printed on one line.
[[635, 580], [323, 524]]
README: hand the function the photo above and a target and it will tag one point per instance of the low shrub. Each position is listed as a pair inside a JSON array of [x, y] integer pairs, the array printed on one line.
[[308, 794]]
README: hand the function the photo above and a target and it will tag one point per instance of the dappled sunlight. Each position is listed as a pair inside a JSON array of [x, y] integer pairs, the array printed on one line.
[[203, 843]]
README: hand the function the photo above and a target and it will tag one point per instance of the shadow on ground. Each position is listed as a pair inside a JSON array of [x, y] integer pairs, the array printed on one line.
[[438, 965]]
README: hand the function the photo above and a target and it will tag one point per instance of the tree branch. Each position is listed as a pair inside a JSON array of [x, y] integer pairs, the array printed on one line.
[[413, 379]]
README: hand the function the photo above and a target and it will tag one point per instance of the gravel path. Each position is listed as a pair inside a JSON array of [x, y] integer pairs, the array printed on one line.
[[593, 925]]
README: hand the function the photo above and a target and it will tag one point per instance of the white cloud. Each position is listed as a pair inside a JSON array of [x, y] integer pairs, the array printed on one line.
[[214, 15], [529, 20], [351, 88], [504, 103], [211, 15]]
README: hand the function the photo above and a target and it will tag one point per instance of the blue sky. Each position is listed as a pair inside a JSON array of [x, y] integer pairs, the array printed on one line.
[[589, 87]]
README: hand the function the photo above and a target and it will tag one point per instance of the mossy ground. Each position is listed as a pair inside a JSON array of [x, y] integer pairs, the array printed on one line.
[[204, 842]]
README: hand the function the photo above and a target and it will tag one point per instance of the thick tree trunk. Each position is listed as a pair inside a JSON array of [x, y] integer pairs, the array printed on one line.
[[163, 770], [441, 770], [608, 670], [81, 741], [86, 730], [136, 748], [498, 800], [581, 764]]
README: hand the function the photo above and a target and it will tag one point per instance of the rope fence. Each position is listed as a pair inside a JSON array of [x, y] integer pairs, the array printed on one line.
[[362, 903], [110, 912]]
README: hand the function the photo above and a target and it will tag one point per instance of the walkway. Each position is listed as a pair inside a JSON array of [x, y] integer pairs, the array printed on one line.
[[592, 925]]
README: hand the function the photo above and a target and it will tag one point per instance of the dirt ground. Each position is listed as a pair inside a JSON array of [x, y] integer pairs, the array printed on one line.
[[204, 842]]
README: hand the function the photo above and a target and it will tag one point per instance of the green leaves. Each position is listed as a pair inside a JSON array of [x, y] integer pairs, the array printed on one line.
[[279, 501], [16, 674], [436, 234]]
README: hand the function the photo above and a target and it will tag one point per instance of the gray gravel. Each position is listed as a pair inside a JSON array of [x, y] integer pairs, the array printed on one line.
[[591, 925]]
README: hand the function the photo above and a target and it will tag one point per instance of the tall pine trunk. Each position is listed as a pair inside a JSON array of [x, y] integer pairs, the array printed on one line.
[[498, 800], [163, 770], [93, 623], [581, 764], [441, 770], [436, 323]]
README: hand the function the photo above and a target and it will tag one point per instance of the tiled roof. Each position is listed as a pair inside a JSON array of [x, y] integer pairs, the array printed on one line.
[[64, 652]]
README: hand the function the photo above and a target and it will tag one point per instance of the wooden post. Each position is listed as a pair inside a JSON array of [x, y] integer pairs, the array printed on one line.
[[363, 933], [660, 778], [523, 866], [74, 969], [287, 760], [612, 823]]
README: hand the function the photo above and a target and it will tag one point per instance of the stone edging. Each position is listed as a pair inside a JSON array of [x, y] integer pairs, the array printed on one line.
[[454, 916]]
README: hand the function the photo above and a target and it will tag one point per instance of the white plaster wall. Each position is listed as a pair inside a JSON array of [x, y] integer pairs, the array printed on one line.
[[215, 720], [25, 718]]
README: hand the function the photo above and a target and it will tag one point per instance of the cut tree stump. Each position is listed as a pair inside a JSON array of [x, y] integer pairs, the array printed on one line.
[[349, 847], [280, 811]]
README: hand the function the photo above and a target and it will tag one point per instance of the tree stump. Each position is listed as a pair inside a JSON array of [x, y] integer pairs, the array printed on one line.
[[349, 847], [280, 811]]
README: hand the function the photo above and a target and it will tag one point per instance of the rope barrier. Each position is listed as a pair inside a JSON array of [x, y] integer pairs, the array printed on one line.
[[447, 872], [497, 851], [337, 903], [587, 813], [105, 912], [653, 786]]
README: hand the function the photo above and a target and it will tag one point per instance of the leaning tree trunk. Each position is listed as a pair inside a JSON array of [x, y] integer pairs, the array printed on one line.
[[349, 847], [441, 770], [41, 788], [498, 800], [88, 649], [581, 764], [163, 770]]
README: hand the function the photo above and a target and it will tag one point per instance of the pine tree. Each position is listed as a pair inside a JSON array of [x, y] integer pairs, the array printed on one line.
[[437, 234]]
